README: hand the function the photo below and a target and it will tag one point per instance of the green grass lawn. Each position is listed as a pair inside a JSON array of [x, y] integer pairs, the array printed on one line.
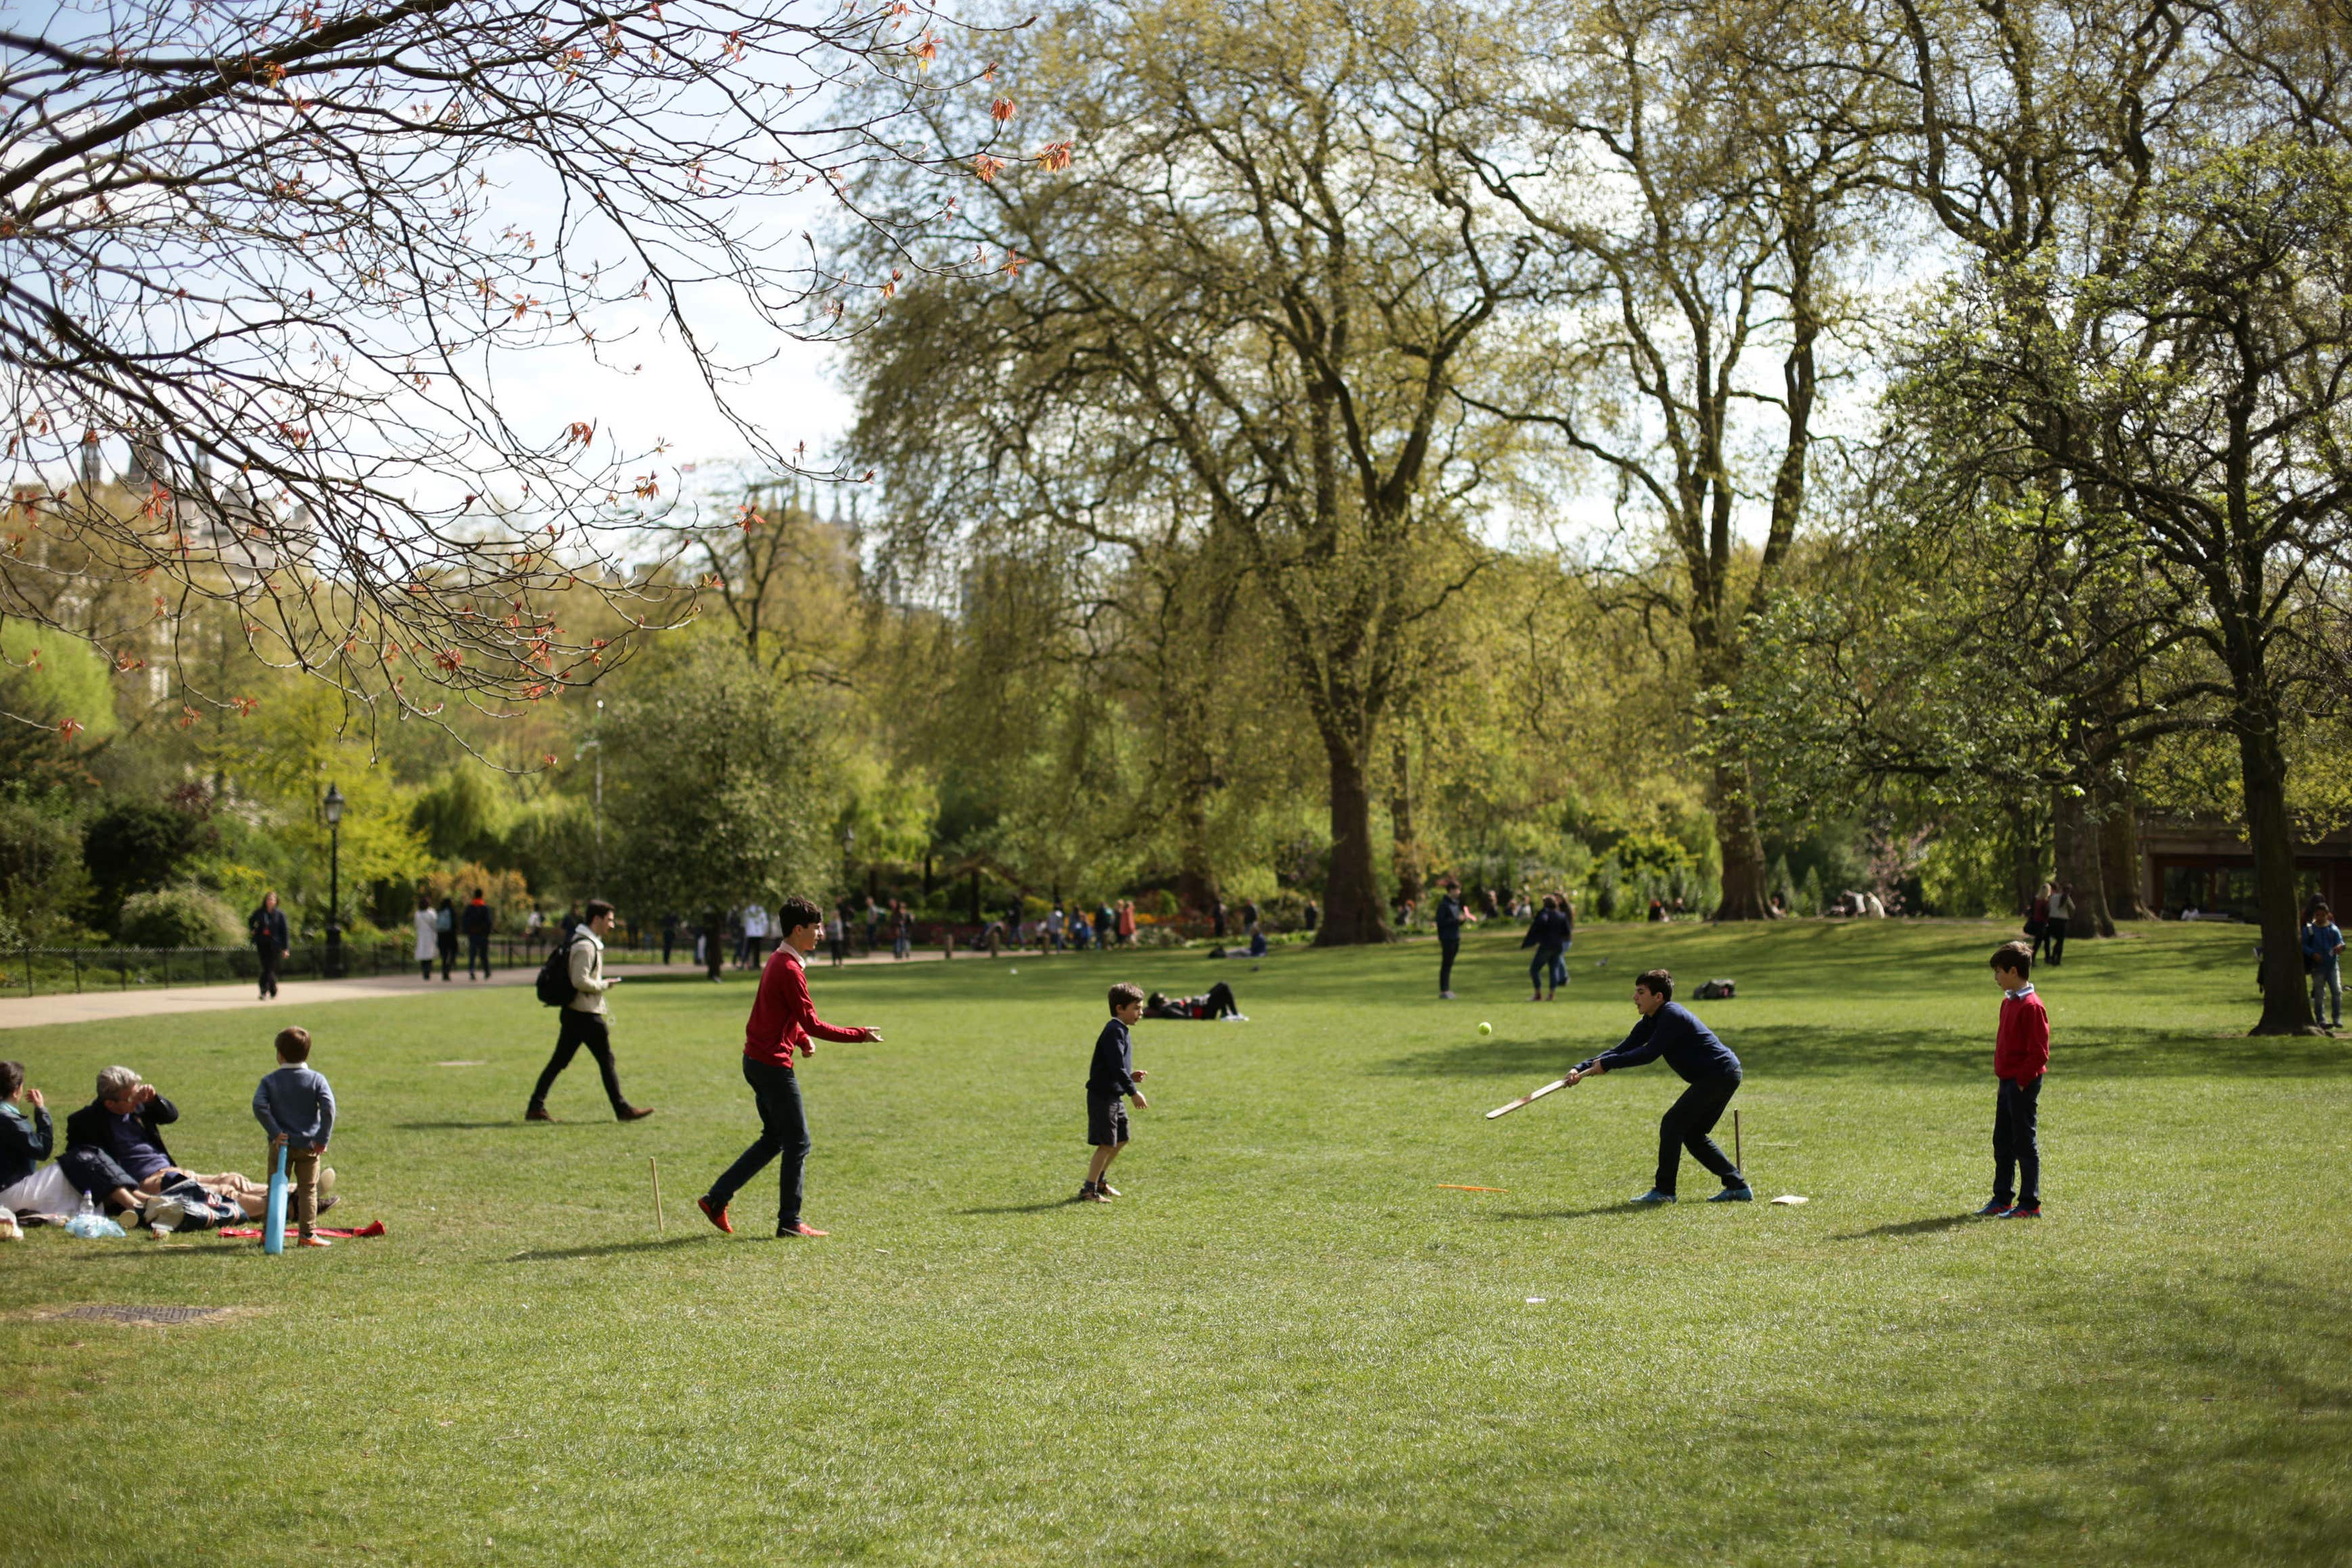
[[1286, 1344]]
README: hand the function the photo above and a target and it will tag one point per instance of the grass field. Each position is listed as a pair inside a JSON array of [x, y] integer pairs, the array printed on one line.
[[1286, 1344]]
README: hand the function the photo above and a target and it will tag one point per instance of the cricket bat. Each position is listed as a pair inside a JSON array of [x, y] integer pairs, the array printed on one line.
[[1527, 1099], [273, 1226]]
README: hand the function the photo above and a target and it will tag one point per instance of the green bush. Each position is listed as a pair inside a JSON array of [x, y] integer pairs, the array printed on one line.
[[179, 917]]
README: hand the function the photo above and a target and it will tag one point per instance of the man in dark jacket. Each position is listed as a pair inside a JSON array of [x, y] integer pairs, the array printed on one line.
[[475, 922], [1451, 918], [271, 941], [1547, 934], [1701, 1061], [114, 1152]]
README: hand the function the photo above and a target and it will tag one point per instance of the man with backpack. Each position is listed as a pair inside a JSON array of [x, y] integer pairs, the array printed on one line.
[[573, 979]]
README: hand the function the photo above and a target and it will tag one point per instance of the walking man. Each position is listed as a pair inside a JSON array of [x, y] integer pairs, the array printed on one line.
[[1701, 1061], [477, 922], [1451, 918], [783, 1020], [584, 1021]]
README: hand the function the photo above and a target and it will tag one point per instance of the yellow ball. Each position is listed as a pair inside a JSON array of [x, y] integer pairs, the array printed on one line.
[[1486, 1028]]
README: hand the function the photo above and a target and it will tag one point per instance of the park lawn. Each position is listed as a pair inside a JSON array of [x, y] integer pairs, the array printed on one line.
[[1286, 1344]]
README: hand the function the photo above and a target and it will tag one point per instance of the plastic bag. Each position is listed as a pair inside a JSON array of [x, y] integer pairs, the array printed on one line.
[[92, 1226]]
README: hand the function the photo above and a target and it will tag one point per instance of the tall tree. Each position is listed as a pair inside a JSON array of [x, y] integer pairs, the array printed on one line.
[[1703, 180], [1272, 278]]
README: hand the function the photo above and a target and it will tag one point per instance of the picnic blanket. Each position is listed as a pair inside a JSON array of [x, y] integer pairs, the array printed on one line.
[[373, 1227]]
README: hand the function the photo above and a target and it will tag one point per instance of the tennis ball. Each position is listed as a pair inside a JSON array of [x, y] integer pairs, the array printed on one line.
[[1486, 1028]]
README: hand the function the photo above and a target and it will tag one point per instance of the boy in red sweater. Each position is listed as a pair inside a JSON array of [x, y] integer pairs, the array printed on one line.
[[782, 1019], [2021, 1055]]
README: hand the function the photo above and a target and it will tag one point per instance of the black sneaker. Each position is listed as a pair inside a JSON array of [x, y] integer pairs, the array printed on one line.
[[1087, 1194], [1996, 1208], [2023, 1211]]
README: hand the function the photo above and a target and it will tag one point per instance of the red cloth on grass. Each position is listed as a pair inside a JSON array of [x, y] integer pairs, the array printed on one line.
[[783, 1016], [2020, 1051]]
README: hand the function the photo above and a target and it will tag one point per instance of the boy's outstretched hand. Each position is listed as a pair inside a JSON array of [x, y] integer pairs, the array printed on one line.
[[1139, 1103]]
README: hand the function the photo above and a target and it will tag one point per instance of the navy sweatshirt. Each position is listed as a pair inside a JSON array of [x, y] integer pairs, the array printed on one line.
[[1674, 1032], [1113, 1072]]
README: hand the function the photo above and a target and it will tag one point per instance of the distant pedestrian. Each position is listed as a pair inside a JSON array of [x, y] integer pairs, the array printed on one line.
[[428, 934], [669, 934], [584, 1022], [1548, 935], [272, 945], [1127, 923], [478, 922], [714, 941], [2062, 914], [1309, 918], [1451, 918], [902, 929], [2037, 921], [444, 937], [2323, 946]]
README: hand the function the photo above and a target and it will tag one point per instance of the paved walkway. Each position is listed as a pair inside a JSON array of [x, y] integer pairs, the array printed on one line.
[[152, 1001]]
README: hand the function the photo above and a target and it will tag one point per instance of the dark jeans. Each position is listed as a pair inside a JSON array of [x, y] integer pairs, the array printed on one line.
[[1687, 1123], [579, 1029], [2040, 931], [2056, 937], [270, 955], [1449, 943], [783, 1134], [1220, 1000], [478, 951], [1547, 965], [714, 955], [448, 957], [2014, 1149]]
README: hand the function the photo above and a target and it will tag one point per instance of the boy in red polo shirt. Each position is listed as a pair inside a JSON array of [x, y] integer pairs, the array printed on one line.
[[782, 1019], [2021, 1055]]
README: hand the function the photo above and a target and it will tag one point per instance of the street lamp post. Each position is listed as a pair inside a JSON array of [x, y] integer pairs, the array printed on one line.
[[335, 804]]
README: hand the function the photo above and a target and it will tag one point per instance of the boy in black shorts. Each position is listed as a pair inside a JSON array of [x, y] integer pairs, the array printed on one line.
[[1114, 1077]]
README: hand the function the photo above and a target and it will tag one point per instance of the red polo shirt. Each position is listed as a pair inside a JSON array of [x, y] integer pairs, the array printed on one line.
[[783, 1016]]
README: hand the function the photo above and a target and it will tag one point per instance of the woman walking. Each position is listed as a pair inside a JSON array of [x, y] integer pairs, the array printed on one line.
[[444, 937], [271, 941], [428, 935]]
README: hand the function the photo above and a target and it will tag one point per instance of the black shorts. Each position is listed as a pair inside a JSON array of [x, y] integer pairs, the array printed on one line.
[[1106, 1118]]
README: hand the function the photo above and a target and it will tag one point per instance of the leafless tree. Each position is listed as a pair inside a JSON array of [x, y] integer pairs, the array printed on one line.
[[267, 259]]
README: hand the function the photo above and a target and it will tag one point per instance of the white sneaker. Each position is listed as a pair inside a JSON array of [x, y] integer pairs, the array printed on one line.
[[163, 1214], [1234, 1017], [326, 1183]]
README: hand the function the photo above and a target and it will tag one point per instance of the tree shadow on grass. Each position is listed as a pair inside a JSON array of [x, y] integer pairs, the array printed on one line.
[[1946, 1056], [609, 1249], [1046, 1207], [456, 1126], [1927, 1227]]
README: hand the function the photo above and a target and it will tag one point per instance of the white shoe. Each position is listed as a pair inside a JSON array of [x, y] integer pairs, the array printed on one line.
[[326, 1183], [163, 1215], [1445, 995], [1234, 1017]]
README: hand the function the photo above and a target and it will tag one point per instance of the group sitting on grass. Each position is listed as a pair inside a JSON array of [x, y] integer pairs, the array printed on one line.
[[115, 1154]]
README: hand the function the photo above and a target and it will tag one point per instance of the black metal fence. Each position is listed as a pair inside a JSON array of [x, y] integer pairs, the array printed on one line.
[[26, 971]]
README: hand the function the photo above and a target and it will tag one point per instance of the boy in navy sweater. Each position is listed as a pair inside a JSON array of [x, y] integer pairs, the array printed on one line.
[[297, 1108], [1702, 1061], [1113, 1078]]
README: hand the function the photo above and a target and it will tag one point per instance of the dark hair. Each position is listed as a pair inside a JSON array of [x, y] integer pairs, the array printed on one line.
[[1125, 994], [477, 893], [1157, 998], [796, 912], [293, 1045], [1658, 983], [597, 910], [11, 1078], [2014, 957]]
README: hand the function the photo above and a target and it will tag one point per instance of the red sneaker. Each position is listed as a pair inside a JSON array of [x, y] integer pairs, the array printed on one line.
[[717, 1216], [803, 1230]]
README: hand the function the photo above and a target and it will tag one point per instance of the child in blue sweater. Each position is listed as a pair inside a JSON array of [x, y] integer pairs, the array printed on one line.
[[295, 1107]]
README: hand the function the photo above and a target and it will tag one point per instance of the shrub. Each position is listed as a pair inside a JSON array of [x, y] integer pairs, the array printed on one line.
[[179, 917]]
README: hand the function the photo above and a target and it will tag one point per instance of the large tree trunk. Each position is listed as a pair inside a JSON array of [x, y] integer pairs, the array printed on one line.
[[1745, 896], [2286, 1004], [2119, 851], [1352, 912], [2075, 844], [1406, 852], [1196, 879], [2025, 865]]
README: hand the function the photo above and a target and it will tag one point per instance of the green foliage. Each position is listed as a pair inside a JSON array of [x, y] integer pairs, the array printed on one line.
[[714, 784], [460, 817], [44, 886], [133, 846], [179, 917], [49, 677]]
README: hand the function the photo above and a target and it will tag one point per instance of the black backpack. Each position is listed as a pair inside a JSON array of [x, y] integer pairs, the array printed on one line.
[[554, 983]]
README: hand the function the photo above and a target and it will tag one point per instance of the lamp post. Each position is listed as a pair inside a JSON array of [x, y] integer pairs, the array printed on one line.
[[334, 805]]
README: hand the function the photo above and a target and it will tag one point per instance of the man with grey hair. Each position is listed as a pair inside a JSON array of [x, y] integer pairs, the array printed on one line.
[[114, 1151]]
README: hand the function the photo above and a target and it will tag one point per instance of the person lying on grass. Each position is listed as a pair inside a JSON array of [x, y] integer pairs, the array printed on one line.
[[782, 1019], [1701, 1061], [114, 1152], [1217, 1002]]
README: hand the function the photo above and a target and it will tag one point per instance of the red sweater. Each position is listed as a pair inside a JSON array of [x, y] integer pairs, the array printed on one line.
[[2020, 1051], [783, 1017]]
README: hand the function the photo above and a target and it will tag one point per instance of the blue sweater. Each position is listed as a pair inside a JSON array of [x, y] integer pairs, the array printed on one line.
[[1674, 1032], [1114, 1062], [295, 1101]]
